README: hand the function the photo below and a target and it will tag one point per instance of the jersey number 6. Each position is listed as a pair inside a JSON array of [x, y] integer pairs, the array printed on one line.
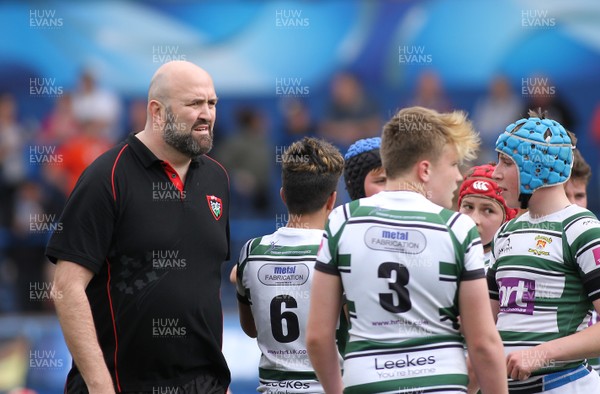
[[278, 317]]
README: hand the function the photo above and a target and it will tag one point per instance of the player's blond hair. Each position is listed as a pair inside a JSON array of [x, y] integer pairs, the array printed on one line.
[[418, 133]]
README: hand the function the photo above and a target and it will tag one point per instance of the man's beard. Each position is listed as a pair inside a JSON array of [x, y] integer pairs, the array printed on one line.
[[183, 141]]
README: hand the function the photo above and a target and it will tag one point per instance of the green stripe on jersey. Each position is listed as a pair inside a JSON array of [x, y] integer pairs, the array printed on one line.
[[448, 269], [449, 381], [288, 251], [407, 216], [344, 260]]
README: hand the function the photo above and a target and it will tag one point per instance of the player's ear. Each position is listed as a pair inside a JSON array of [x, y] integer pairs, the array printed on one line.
[[330, 204], [282, 195], [423, 170]]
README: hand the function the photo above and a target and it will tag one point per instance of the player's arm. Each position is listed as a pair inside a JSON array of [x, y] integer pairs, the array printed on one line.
[[244, 310], [495, 304], [486, 353], [233, 275], [583, 344], [325, 306], [247, 319], [75, 317]]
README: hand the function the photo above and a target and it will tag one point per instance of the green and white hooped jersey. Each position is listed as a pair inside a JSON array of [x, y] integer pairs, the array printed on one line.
[[401, 259], [545, 273], [275, 276]]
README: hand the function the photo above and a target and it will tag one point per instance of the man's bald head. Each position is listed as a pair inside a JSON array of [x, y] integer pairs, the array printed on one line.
[[173, 77]]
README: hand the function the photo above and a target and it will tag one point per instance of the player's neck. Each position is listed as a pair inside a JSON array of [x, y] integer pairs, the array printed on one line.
[[547, 200], [314, 220], [405, 184]]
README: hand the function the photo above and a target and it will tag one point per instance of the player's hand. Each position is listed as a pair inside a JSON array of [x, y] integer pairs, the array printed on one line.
[[522, 363]]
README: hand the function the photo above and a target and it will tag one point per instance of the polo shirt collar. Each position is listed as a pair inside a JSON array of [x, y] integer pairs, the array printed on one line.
[[146, 156]]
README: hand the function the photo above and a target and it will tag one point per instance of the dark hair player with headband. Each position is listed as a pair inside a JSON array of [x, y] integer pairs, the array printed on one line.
[[363, 172]]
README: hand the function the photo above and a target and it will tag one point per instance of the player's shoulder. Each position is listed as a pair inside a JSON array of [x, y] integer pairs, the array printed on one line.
[[576, 215], [461, 225]]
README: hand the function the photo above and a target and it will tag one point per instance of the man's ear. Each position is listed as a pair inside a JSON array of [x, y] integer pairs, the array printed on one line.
[[155, 109]]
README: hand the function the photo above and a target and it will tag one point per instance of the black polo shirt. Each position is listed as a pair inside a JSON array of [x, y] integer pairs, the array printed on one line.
[[156, 247]]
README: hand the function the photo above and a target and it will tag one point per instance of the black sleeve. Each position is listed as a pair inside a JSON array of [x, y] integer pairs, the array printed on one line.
[[493, 285], [326, 268], [87, 220]]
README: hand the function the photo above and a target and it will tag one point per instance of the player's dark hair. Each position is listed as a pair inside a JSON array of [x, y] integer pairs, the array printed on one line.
[[311, 169]]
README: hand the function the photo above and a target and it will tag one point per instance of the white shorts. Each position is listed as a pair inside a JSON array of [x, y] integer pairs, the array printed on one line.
[[586, 381]]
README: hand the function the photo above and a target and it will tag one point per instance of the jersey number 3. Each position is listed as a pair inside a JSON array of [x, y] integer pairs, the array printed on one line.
[[398, 286]]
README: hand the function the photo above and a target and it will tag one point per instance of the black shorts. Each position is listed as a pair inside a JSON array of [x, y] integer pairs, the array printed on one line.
[[205, 383]]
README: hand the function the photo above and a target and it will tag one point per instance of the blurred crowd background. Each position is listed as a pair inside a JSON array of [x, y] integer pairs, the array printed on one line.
[[74, 78]]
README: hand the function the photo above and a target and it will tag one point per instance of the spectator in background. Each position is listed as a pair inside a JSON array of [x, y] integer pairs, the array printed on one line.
[[61, 124], [34, 217], [498, 108], [248, 156], [12, 162], [93, 104], [430, 93], [350, 114], [297, 121], [541, 93], [76, 154]]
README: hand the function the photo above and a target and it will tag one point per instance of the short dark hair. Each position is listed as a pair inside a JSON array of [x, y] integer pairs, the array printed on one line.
[[311, 169], [581, 170]]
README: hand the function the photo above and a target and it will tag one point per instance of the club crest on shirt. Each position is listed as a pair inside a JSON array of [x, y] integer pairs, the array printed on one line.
[[216, 206], [540, 244]]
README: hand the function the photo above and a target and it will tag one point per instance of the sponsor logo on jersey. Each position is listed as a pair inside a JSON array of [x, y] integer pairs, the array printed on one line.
[[517, 295], [590, 222], [289, 384], [506, 248], [540, 244], [404, 366], [596, 253], [283, 274], [272, 247], [406, 241], [404, 362]]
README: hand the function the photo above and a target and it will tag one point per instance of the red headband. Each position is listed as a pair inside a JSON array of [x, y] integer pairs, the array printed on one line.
[[479, 181]]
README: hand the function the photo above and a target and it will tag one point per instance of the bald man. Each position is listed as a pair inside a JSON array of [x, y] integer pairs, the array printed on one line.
[[138, 260]]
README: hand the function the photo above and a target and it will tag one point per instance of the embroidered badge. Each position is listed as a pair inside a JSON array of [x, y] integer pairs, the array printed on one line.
[[216, 206]]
